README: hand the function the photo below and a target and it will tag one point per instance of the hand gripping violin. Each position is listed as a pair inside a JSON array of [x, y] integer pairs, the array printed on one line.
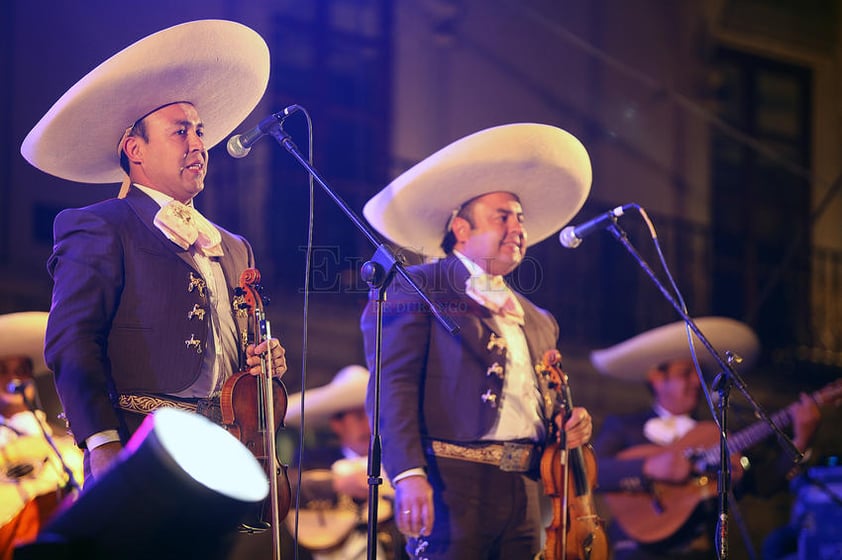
[[568, 475], [253, 409]]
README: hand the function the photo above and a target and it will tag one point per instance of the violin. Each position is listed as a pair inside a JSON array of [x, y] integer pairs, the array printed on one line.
[[254, 407], [576, 531]]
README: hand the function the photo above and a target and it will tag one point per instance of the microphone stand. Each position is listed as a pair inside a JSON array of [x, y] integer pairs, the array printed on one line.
[[71, 483], [378, 273], [728, 376]]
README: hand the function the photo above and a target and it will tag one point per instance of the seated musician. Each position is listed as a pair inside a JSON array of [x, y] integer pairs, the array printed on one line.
[[21, 358], [633, 471], [33, 479], [335, 478]]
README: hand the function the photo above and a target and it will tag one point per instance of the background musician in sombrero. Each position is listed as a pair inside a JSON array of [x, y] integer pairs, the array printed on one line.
[[32, 476], [453, 406], [142, 311], [21, 355], [334, 495], [643, 457]]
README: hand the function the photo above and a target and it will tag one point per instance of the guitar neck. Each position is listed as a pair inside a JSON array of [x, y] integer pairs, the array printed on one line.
[[749, 436], [759, 431]]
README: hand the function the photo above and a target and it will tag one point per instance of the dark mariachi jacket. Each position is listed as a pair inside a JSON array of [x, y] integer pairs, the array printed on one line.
[[435, 384], [130, 311]]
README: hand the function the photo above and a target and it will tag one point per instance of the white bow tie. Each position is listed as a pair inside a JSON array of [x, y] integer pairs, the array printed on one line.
[[185, 226], [667, 429], [492, 293]]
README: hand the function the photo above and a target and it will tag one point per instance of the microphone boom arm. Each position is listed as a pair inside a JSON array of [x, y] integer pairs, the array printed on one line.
[[378, 272]]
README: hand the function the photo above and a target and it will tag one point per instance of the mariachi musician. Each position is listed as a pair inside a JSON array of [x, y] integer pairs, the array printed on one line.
[[462, 417], [35, 476], [142, 313], [332, 522], [661, 499]]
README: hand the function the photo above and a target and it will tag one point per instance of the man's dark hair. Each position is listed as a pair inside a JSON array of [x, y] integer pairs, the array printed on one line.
[[138, 129]]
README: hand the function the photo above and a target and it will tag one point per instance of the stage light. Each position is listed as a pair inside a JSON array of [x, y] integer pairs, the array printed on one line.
[[179, 490]]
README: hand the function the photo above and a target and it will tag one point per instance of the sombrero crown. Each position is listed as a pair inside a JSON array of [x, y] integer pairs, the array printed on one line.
[[547, 168], [22, 334], [221, 67]]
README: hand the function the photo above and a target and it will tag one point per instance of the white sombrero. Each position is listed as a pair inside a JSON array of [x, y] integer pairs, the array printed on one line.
[[633, 358], [546, 167], [345, 392], [221, 67], [22, 334]]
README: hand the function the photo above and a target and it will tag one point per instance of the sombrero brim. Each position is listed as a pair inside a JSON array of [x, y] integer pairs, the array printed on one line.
[[633, 358], [545, 166], [221, 67], [22, 334], [346, 391]]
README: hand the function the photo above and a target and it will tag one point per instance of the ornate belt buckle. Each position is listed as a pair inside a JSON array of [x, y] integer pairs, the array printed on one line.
[[515, 457]]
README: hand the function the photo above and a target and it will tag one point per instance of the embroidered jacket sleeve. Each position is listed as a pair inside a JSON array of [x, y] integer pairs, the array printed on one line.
[[87, 270], [405, 342]]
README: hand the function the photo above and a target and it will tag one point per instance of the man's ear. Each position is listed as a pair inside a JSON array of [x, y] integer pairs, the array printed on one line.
[[461, 228], [133, 148], [654, 374], [334, 423]]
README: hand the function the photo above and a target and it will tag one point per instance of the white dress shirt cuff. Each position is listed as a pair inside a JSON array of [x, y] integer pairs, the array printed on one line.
[[417, 471], [101, 438]]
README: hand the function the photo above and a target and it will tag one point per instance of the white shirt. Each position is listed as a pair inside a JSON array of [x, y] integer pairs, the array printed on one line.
[[520, 413]]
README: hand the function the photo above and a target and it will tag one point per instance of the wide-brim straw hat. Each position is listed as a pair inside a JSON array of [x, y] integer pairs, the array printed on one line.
[[22, 334], [346, 391], [221, 67], [547, 168], [633, 358]]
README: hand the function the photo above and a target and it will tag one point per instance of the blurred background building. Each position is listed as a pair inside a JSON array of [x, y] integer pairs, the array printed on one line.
[[722, 118]]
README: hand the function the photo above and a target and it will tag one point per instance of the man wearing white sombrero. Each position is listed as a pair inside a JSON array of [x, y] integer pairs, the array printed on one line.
[[142, 312], [21, 356], [31, 467], [337, 476], [462, 419], [643, 455]]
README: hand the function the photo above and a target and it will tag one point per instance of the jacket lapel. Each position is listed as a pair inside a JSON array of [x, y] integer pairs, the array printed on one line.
[[145, 208]]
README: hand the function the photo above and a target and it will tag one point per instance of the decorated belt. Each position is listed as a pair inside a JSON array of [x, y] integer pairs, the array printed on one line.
[[145, 403], [508, 456]]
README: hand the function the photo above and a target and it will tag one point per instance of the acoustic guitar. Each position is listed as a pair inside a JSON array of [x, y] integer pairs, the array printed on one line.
[[326, 517], [32, 484], [662, 509]]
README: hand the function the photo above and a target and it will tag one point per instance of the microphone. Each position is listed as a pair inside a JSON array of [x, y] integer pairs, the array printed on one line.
[[17, 386], [240, 145], [571, 236]]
